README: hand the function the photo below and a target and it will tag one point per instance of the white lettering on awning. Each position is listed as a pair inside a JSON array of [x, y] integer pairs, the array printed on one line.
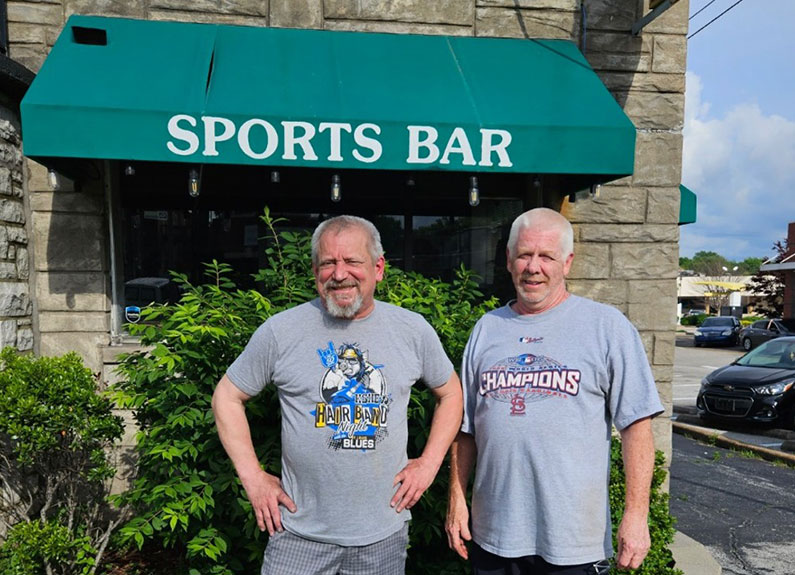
[[183, 135], [297, 141]]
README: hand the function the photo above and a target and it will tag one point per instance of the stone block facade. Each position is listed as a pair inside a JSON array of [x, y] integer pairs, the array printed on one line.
[[16, 304], [627, 237], [69, 231]]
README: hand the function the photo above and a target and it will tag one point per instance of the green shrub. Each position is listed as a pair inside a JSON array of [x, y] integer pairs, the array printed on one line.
[[694, 319], [31, 546], [659, 561], [55, 430]]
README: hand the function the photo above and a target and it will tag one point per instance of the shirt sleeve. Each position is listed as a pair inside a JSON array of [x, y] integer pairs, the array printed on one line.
[[253, 368], [633, 393], [469, 381], [437, 367]]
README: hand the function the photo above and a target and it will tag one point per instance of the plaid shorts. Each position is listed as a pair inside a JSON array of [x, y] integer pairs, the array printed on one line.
[[289, 554]]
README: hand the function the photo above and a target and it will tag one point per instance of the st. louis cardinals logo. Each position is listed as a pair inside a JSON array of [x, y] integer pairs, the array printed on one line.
[[517, 405]]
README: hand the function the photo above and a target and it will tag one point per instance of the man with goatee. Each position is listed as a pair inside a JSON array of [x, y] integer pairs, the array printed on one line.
[[343, 366]]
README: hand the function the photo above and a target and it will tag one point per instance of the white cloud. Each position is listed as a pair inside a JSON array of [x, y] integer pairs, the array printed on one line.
[[742, 168]]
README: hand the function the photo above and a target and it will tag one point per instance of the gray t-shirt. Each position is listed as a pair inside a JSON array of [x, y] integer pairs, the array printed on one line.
[[540, 393], [343, 388]]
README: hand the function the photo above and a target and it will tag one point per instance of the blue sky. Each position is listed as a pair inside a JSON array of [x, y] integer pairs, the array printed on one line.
[[739, 135]]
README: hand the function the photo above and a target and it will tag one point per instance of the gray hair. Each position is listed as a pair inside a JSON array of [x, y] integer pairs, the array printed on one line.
[[340, 223], [546, 219]]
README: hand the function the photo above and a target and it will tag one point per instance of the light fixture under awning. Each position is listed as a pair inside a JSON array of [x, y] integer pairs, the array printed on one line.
[[196, 93]]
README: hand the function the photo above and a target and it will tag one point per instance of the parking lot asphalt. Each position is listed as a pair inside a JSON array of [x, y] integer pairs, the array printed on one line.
[[717, 544], [740, 508]]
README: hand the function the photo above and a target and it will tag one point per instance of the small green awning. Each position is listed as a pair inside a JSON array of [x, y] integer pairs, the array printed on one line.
[[688, 204], [182, 92]]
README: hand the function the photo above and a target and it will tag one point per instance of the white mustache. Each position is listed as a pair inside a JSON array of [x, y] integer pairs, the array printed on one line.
[[333, 284]]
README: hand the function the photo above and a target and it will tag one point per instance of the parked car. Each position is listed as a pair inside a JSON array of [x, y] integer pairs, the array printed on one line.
[[757, 387], [694, 311], [721, 330], [764, 329]]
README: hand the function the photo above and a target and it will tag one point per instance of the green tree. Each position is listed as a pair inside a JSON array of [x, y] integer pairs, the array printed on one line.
[[749, 266], [770, 286], [710, 263]]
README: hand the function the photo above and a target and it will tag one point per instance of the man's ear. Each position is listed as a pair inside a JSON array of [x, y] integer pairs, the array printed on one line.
[[567, 264], [379, 268]]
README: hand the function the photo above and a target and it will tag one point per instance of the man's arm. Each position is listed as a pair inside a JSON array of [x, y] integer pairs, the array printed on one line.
[[637, 445], [264, 490], [462, 459], [419, 473]]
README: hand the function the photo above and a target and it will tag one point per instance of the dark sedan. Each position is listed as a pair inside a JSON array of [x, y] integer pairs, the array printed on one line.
[[764, 329], [758, 387], [721, 330]]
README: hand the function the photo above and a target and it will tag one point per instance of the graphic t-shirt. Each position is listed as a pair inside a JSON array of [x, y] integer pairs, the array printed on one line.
[[540, 393], [343, 388]]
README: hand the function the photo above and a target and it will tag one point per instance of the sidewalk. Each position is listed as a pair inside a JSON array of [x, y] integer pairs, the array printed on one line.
[[773, 445], [692, 557]]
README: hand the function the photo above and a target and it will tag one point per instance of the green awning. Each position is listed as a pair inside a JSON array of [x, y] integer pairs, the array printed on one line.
[[182, 92], [688, 204]]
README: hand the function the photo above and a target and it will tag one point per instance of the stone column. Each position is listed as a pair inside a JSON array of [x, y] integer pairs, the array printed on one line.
[[15, 302], [629, 234]]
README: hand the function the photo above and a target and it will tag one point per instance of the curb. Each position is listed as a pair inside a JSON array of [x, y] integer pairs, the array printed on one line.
[[714, 436]]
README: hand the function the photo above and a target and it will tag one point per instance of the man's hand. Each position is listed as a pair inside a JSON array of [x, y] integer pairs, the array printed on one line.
[[265, 493], [414, 479], [457, 527], [633, 541]]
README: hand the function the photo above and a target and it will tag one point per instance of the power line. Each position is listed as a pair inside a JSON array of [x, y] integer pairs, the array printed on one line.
[[715, 18], [702, 9]]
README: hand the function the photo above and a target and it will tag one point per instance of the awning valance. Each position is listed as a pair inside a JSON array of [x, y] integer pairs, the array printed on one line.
[[688, 206], [164, 91]]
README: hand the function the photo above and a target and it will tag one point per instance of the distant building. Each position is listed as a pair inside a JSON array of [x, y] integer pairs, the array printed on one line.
[[695, 292], [785, 264]]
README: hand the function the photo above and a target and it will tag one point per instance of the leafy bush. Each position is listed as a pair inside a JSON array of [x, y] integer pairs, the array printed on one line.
[[32, 546], [54, 432], [659, 561], [187, 496], [694, 319]]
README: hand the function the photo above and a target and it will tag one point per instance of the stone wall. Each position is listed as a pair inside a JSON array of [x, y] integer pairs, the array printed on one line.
[[72, 285], [16, 307], [627, 238]]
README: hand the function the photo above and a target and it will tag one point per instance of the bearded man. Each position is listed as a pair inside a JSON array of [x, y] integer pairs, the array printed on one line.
[[318, 520]]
